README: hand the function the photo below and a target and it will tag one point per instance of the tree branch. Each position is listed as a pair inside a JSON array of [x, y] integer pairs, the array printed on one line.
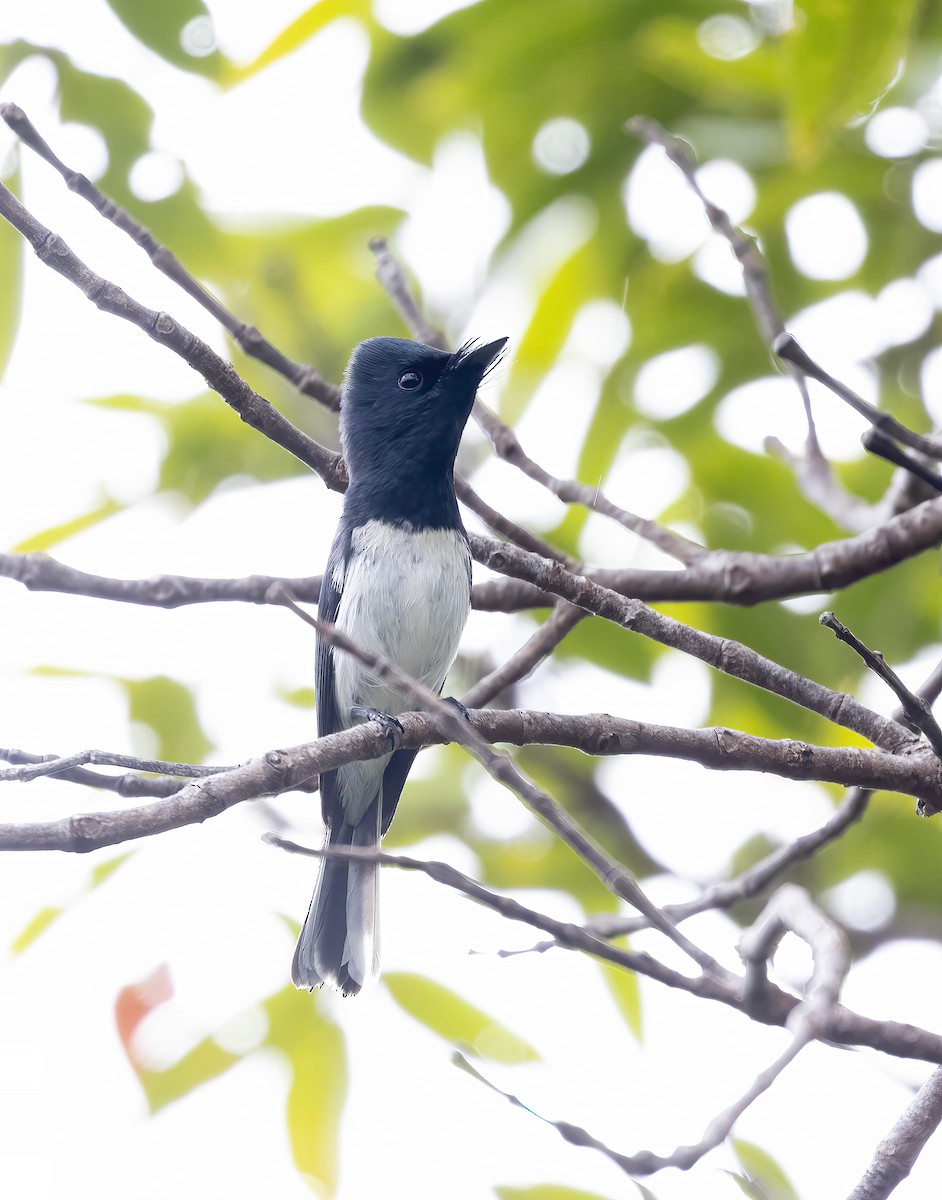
[[164, 329], [524, 661], [916, 711], [844, 1026], [787, 348], [722, 653], [302, 376], [616, 877], [733, 577], [790, 909], [897, 1153], [916, 774]]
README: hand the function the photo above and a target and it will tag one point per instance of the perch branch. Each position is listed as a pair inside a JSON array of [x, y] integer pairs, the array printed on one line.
[[616, 877]]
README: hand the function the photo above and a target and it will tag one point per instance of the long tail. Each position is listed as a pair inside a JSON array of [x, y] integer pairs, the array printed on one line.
[[339, 942]]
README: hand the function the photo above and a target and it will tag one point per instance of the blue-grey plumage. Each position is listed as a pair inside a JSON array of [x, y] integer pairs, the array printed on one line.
[[398, 583]]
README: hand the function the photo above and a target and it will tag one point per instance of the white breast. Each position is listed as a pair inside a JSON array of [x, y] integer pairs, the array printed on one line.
[[405, 596]]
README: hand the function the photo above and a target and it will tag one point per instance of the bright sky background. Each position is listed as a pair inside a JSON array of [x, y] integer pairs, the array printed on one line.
[[206, 899]]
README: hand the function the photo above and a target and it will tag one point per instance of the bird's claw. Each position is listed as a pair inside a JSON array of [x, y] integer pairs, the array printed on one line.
[[390, 725]]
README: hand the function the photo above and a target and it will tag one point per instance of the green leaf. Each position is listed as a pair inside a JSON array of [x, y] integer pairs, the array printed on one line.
[[106, 869], [46, 916], [545, 1191], [58, 533], [36, 926], [457, 1021], [747, 1186], [301, 697], [625, 991], [11, 280], [170, 710], [763, 1171], [166, 29], [315, 1049], [204, 1062], [301, 30], [841, 57], [107, 104]]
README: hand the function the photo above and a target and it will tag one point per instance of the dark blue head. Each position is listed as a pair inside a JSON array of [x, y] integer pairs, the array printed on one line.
[[405, 406]]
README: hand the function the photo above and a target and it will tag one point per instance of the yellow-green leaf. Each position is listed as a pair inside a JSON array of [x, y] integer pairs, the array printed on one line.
[[205, 1061], [625, 991], [301, 30], [11, 280], [180, 31], [58, 533], [764, 1171], [545, 1191], [841, 57], [106, 869], [170, 710], [314, 1046], [46, 916], [36, 926], [457, 1021]]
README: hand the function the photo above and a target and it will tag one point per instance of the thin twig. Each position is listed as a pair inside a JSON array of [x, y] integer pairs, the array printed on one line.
[[844, 1027], [787, 348], [392, 279], [916, 710], [755, 271], [304, 377], [128, 785], [56, 765], [506, 445], [523, 662], [884, 447], [164, 329]]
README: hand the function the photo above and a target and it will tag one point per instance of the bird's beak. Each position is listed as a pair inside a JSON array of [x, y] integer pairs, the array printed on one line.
[[476, 362]]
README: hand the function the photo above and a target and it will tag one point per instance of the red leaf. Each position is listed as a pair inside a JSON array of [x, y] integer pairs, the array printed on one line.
[[135, 1001]]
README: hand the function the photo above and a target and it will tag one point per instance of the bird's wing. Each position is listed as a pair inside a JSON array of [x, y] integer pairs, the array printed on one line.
[[328, 719]]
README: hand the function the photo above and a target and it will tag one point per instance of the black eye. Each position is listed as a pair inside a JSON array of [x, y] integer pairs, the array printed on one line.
[[410, 380]]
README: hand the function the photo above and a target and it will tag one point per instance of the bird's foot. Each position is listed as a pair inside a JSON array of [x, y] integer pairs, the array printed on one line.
[[390, 725]]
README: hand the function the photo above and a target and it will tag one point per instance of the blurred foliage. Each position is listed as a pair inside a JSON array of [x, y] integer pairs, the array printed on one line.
[[308, 1041], [625, 991], [455, 1020], [764, 1178], [12, 250], [47, 538], [789, 103], [180, 31], [169, 709], [98, 875], [545, 1191]]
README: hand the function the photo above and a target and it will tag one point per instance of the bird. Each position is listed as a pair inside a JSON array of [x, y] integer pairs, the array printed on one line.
[[398, 583]]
